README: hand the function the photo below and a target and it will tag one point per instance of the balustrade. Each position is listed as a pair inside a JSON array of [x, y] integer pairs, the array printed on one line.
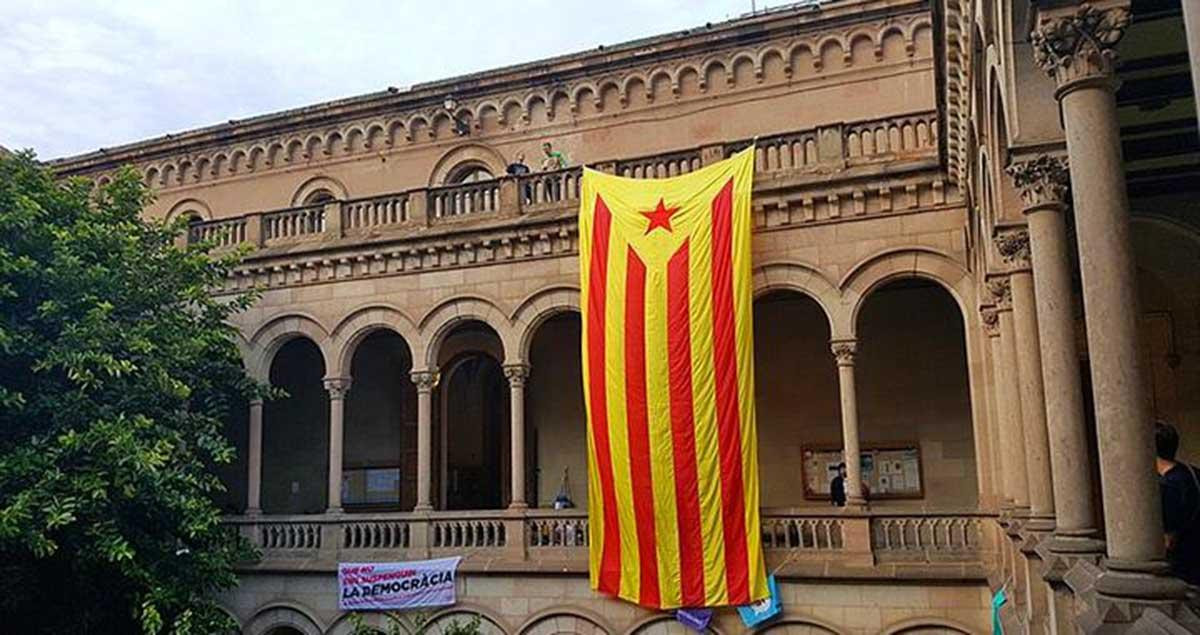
[[294, 222], [550, 187], [926, 535], [558, 530], [466, 199], [804, 533], [892, 136], [376, 534], [221, 233], [376, 211], [468, 533], [860, 142], [660, 166], [286, 535]]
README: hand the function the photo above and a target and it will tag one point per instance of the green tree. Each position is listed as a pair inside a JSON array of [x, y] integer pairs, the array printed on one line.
[[117, 368]]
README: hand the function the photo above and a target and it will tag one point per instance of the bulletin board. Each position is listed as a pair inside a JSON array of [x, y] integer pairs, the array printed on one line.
[[890, 471]]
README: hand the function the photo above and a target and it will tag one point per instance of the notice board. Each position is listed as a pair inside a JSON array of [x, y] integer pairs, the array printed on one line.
[[890, 471]]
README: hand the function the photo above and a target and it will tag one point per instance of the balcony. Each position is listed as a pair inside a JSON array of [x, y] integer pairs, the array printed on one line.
[[879, 543], [807, 176]]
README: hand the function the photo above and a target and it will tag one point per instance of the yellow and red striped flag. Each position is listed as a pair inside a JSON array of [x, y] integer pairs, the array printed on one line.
[[669, 387]]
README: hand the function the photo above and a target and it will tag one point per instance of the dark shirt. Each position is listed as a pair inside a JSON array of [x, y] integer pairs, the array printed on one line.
[[1181, 518], [837, 491], [517, 169]]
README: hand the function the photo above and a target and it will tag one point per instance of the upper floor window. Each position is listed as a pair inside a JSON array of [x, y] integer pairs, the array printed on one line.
[[472, 173], [318, 197]]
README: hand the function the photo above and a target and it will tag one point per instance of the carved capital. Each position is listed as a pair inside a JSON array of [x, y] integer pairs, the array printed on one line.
[[844, 351], [990, 318], [1044, 181], [1001, 292], [516, 374], [337, 387], [1081, 46], [1013, 245], [424, 380]]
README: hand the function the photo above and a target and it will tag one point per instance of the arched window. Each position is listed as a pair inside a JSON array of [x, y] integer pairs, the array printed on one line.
[[318, 197], [470, 173]]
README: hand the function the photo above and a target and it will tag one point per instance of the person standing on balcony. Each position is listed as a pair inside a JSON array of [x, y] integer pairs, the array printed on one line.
[[518, 167], [1179, 485], [553, 160]]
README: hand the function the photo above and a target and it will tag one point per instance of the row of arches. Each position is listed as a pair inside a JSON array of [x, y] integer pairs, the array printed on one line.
[[293, 619], [896, 40], [913, 387]]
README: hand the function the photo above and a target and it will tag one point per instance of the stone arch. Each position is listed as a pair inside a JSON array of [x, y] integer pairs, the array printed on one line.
[[316, 184], [276, 332], [565, 621], [442, 319], [907, 262], [379, 621], [799, 626], [190, 207], [490, 622], [927, 626], [808, 280], [279, 614], [362, 322], [476, 153], [536, 309]]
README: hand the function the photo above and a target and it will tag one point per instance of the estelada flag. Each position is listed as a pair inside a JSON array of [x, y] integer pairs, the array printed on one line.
[[669, 387]]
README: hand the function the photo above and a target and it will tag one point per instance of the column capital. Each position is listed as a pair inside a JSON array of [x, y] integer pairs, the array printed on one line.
[[844, 351], [424, 380], [516, 374], [1043, 181], [1079, 47], [256, 402], [337, 387], [1001, 291], [1012, 242], [990, 319]]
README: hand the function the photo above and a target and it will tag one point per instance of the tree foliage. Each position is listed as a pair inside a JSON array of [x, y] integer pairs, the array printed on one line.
[[117, 368]]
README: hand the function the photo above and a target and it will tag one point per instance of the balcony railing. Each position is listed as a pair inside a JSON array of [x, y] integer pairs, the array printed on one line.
[[531, 538], [817, 152]]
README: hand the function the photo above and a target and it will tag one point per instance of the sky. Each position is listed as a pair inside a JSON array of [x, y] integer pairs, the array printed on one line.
[[76, 76]]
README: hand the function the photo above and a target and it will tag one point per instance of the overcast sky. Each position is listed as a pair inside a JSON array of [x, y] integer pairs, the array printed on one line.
[[80, 75]]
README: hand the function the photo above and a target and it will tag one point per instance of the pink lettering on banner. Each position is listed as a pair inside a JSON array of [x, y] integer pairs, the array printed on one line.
[[386, 586]]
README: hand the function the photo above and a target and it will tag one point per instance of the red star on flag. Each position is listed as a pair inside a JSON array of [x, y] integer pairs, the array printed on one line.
[[660, 217]]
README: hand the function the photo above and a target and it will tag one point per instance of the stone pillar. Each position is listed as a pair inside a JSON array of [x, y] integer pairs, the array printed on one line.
[[1191, 24], [1012, 435], [1076, 46], [254, 460], [1013, 245], [337, 387], [516, 374], [424, 381], [990, 321], [844, 351], [1043, 185]]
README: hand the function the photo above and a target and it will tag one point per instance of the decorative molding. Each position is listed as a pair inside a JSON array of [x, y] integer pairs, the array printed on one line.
[[776, 62], [990, 320], [516, 374], [337, 387], [1001, 292], [1013, 245], [1081, 46], [844, 351], [1044, 181], [424, 380]]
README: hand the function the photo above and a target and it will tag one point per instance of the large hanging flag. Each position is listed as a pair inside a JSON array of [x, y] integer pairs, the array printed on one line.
[[669, 387]]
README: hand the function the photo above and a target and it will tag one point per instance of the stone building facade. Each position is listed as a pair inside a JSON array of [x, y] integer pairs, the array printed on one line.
[[974, 247]]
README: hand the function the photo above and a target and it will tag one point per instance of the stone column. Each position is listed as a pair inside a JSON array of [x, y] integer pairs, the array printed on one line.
[[1012, 435], [1013, 245], [516, 374], [844, 351], [1043, 185], [254, 460], [337, 387], [424, 381], [1191, 24], [1076, 46], [990, 322]]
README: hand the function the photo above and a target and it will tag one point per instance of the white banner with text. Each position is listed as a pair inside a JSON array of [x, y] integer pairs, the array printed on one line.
[[371, 586]]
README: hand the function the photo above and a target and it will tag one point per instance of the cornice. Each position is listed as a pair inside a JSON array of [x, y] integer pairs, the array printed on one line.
[[391, 120]]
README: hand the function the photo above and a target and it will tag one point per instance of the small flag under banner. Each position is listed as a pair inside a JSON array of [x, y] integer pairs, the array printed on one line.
[[695, 619], [764, 609]]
